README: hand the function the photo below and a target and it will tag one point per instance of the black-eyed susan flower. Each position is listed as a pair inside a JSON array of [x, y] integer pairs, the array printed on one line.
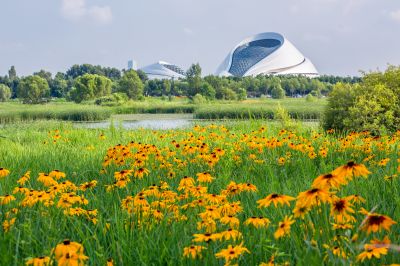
[[6, 199], [230, 220], [313, 197], [232, 252], [258, 222], [204, 177], [25, 178], [231, 234], [193, 251], [110, 262], [375, 222], [284, 227], [328, 180], [68, 251], [375, 249], [341, 210], [207, 237], [40, 261], [4, 172], [139, 173], [351, 169], [275, 199]]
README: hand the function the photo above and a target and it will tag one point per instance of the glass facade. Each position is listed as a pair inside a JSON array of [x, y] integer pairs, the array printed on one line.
[[249, 54], [175, 69]]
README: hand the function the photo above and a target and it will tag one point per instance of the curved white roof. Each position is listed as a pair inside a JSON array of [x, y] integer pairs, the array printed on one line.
[[163, 70], [267, 53]]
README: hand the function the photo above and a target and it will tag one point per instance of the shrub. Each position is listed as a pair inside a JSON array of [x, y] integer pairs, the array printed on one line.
[[310, 98], [199, 99], [5, 93], [33, 89], [372, 105]]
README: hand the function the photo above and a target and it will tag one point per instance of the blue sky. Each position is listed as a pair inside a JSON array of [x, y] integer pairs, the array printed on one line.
[[341, 37]]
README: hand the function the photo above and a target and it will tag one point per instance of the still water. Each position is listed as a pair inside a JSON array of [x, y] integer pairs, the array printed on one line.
[[149, 124], [148, 121]]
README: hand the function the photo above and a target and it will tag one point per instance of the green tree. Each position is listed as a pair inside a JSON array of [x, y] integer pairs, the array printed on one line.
[[340, 100], [5, 93], [44, 74], [277, 91], [207, 91], [372, 110], [228, 94], [131, 84], [193, 76], [58, 85], [90, 86], [33, 89], [241, 94], [12, 73]]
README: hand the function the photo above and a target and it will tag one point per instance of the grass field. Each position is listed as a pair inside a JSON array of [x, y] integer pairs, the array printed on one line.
[[252, 108], [183, 197]]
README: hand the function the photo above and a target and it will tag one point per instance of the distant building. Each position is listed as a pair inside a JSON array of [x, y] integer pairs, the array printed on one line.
[[132, 65], [267, 53], [163, 70]]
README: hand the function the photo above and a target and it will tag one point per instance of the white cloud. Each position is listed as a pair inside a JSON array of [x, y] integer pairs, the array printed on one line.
[[77, 9], [395, 15], [73, 9], [188, 31], [101, 14]]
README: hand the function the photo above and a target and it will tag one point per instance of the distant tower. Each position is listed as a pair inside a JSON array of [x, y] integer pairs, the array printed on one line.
[[132, 65]]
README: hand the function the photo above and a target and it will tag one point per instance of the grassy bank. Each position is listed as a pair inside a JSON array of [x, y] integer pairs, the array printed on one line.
[[16, 112], [253, 108], [149, 218], [262, 109]]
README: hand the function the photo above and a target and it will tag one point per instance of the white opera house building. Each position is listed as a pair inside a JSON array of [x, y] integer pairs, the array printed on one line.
[[267, 53]]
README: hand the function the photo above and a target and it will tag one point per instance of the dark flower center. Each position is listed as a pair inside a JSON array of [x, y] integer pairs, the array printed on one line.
[[376, 219], [351, 164]]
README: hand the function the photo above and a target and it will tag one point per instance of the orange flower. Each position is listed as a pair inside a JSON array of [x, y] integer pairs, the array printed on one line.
[[284, 227], [351, 169], [275, 199]]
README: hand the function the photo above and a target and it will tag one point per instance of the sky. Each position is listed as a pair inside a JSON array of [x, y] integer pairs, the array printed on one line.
[[341, 37]]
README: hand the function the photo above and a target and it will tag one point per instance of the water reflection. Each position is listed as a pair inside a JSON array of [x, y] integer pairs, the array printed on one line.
[[149, 124]]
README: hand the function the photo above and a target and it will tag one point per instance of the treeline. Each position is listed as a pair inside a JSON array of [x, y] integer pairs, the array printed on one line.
[[88, 82]]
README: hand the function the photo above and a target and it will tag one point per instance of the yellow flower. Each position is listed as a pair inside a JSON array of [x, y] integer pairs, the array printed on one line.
[[205, 237], [231, 252], [230, 220], [275, 198], [4, 172], [340, 209], [376, 222], [139, 173], [327, 181], [6, 199], [375, 249], [281, 161], [193, 251], [57, 174], [257, 222], [204, 177], [40, 261], [67, 247], [25, 178], [284, 227], [351, 169], [231, 234], [313, 197]]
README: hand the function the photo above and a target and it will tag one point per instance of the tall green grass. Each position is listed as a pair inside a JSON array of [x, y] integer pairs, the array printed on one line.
[[28, 146], [262, 109], [13, 112]]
